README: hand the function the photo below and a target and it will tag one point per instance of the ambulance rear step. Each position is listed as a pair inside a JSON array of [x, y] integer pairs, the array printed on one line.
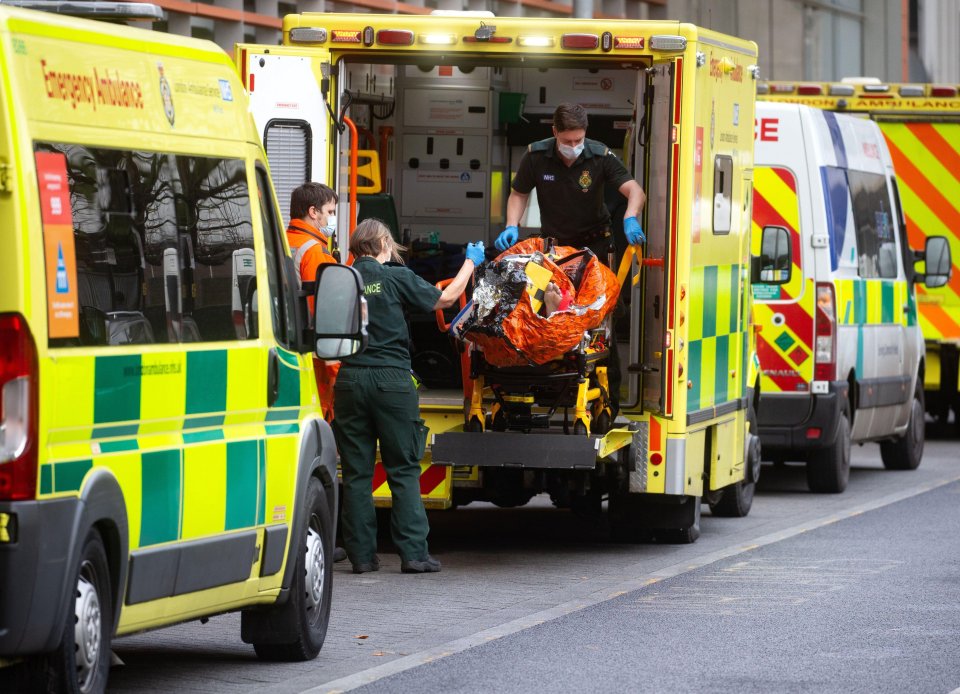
[[517, 450]]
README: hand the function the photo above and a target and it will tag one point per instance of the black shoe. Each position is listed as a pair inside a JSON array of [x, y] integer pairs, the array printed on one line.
[[339, 554], [420, 566], [367, 566]]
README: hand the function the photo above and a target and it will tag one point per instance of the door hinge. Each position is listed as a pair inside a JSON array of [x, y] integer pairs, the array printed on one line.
[[6, 178]]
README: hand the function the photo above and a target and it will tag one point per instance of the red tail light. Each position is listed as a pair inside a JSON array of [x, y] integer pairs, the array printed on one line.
[[825, 334], [19, 394]]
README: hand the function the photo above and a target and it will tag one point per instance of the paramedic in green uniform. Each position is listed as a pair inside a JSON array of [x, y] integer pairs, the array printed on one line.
[[375, 399], [570, 174]]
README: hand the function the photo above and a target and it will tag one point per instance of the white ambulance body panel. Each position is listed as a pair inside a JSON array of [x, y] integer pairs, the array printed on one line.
[[852, 240]]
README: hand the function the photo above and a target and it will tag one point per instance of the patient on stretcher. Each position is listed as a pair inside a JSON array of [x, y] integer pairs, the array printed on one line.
[[535, 302]]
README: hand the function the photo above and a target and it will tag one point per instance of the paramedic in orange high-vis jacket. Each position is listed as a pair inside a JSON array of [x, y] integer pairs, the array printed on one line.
[[313, 209]]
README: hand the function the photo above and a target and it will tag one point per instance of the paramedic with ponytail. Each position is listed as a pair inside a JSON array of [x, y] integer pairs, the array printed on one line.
[[570, 174], [376, 400]]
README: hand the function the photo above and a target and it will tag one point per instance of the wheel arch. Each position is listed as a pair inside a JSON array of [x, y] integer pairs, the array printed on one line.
[[317, 458]]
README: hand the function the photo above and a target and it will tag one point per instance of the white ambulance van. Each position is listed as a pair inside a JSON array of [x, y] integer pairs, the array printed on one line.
[[840, 349]]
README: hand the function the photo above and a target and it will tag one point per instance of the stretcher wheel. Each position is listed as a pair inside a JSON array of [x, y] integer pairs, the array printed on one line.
[[499, 422], [474, 425], [601, 423], [580, 428]]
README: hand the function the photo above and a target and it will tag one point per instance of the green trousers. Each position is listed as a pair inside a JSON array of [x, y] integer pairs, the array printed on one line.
[[370, 405]]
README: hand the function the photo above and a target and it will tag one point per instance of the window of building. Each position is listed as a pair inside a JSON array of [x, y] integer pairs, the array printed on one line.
[[163, 245], [833, 39]]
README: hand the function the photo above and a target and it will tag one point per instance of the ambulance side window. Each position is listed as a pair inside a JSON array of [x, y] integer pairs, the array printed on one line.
[[163, 246], [275, 253], [722, 194], [843, 240], [873, 219]]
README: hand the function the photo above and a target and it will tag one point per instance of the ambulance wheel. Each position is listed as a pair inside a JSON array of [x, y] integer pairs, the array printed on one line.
[[306, 613], [81, 662], [828, 469], [905, 452], [736, 500]]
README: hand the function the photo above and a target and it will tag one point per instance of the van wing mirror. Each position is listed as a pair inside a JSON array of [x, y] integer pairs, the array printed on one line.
[[774, 265], [938, 263], [340, 312]]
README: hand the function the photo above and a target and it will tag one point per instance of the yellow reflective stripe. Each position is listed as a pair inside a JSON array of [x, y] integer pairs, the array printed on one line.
[[163, 387], [204, 489]]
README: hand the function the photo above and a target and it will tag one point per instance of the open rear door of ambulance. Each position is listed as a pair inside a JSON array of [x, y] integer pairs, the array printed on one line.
[[648, 297], [287, 96]]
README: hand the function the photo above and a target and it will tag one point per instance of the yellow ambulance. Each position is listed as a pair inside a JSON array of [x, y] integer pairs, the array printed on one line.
[[921, 124], [162, 454], [422, 120]]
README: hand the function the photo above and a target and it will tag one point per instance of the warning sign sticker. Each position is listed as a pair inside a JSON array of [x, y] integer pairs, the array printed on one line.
[[60, 258]]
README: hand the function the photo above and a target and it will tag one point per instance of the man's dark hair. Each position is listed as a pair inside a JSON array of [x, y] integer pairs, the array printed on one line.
[[310, 195], [570, 117]]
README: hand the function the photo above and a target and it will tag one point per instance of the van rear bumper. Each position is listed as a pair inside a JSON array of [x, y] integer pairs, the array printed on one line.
[[788, 422], [33, 571]]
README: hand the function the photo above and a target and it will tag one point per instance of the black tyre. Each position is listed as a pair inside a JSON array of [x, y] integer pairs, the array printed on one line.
[[736, 500], [579, 428], [905, 452], [828, 469], [307, 611], [81, 663], [601, 423]]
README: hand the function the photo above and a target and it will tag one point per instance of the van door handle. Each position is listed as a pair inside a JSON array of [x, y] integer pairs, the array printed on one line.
[[273, 377]]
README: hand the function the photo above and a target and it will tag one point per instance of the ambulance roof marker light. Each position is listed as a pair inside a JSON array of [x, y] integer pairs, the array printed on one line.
[[763, 89], [579, 41], [308, 35], [782, 88], [876, 88], [911, 90], [943, 90], [668, 42], [842, 90], [536, 41], [438, 39], [395, 37], [809, 89], [606, 42]]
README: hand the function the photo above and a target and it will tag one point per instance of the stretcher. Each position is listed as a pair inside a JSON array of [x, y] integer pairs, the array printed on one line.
[[522, 368]]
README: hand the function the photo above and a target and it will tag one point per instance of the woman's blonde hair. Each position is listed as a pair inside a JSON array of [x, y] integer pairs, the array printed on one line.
[[373, 236]]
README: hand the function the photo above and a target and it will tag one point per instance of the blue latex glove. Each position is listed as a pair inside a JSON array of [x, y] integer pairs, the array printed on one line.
[[507, 238], [476, 253], [633, 231]]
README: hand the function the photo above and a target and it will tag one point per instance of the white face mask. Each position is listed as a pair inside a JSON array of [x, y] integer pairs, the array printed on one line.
[[331, 227], [568, 152]]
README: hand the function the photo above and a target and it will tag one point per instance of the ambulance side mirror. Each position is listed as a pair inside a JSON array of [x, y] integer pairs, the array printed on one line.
[[340, 312], [938, 265], [774, 265]]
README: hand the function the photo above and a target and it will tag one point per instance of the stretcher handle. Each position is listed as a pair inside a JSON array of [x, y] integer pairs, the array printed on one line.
[[628, 256], [441, 321]]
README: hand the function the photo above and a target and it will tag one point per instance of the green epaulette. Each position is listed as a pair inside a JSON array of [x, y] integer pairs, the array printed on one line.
[[542, 145], [598, 148]]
